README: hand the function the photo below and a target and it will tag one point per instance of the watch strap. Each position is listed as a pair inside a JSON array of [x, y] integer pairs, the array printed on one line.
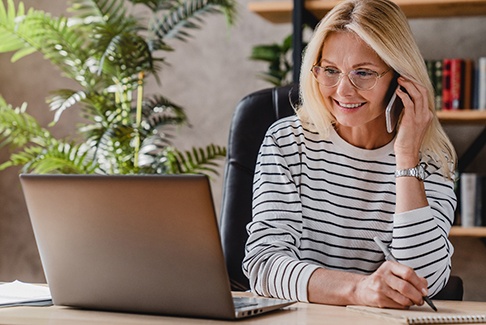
[[417, 172]]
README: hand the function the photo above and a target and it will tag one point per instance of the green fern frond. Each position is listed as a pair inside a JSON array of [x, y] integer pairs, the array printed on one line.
[[60, 157], [36, 31], [113, 146], [155, 5], [56, 158], [120, 50], [106, 138], [45, 154], [96, 11], [10, 28], [277, 56], [64, 99], [18, 128], [159, 111], [186, 15], [124, 53], [97, 107], [23, 158], [66, 47], [199, 160]]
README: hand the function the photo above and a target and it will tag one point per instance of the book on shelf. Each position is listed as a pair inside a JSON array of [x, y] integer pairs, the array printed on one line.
[[472, 196], [434, 69], [459, 83], [446, 85], [467, 91], [481, 89]]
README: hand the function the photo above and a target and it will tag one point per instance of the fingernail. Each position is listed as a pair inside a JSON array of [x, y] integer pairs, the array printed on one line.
[[425, 292]]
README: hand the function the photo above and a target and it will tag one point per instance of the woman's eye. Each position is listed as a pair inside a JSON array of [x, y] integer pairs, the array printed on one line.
[[331, 71], [362, 73]]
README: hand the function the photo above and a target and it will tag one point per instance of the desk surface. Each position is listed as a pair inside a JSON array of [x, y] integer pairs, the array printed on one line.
[[300, 313]]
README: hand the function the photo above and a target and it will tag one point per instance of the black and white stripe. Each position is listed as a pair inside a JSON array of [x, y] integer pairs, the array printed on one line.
[[319, 203]]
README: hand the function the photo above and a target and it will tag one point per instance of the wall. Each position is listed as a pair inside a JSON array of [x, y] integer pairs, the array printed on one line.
[[208, 75]]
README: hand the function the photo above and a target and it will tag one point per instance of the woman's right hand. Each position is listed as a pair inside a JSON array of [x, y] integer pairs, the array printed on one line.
[[392, 285]]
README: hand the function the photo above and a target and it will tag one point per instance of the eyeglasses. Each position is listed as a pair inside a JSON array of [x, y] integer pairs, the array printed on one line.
[[362, 79]]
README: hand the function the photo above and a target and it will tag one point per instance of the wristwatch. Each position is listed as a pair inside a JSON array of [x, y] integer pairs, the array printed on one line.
[[417, 172]]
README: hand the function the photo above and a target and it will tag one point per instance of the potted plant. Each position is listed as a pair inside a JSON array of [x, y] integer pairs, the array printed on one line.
[[109, 53], [278, 58]]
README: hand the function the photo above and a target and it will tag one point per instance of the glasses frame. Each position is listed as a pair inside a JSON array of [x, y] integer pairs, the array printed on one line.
[[342, 74]]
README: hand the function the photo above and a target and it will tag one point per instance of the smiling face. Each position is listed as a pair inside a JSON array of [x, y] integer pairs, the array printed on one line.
[[357, 112]]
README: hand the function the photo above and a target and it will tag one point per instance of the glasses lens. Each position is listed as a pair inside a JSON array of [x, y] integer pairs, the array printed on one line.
[[326, 76], [363, 79]]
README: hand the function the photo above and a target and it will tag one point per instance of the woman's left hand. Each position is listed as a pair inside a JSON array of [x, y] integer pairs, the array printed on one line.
[[416, 118]]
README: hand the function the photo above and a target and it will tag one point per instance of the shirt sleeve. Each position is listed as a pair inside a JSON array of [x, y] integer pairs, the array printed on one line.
[[420, 237], [272, 259]]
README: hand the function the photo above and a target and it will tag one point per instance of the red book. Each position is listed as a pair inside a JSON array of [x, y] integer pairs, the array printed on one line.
[[456, 83], [468, 84], [446, 85]]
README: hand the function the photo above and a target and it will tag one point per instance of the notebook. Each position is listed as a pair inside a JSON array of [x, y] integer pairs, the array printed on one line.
[[143, 244], [449, 312]]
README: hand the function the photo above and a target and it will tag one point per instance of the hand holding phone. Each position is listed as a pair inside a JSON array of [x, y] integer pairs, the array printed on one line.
[[393, 111]]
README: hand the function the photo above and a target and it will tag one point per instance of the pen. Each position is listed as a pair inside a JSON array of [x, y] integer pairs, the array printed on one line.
[[390, 257]]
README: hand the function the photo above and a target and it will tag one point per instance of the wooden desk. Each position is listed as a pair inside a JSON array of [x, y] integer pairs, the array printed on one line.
[[300, 313]]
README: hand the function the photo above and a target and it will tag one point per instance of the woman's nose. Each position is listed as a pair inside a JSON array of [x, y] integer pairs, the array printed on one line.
[[345, 86]]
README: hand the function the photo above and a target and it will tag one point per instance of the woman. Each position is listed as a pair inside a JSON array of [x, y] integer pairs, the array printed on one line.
[[332, 178]]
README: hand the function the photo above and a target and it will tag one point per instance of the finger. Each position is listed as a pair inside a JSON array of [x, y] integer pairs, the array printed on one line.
[[413, 88], [415, 93], [398, 299], [395, 300], [382, 294], [407, 101], [410, 94], [415, 101], [408, 283]]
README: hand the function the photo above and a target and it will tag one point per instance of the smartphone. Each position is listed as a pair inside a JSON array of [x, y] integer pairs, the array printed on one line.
[[393, 109]]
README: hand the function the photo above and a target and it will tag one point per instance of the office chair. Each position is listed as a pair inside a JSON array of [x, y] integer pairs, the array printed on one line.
[[253, 116]]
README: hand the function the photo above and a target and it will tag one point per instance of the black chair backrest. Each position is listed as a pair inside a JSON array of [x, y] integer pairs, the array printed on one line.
[[251, 119], [253, 116]]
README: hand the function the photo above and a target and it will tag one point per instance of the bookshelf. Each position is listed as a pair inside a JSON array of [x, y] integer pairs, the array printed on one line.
[[300, 12], [458, 231], [462, 117], [280, 11]]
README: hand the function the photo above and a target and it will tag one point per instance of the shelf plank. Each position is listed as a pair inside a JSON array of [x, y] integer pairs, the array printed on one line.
[[458, 231], [280, 11], [462, 117]]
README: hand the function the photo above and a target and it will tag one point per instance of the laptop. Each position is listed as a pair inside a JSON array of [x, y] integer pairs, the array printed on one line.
[[143, 244]]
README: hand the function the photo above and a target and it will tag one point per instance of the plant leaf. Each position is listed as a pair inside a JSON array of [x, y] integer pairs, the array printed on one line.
[[200, 160], [183, 15]]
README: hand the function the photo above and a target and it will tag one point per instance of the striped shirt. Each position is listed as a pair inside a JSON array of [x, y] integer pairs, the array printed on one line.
[[319, 203]]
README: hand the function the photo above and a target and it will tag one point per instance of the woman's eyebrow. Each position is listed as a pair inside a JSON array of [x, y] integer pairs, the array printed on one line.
[[357, 65], [365, 63]]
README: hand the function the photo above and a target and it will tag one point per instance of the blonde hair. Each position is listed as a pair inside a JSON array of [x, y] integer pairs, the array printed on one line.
[[383, 26]]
